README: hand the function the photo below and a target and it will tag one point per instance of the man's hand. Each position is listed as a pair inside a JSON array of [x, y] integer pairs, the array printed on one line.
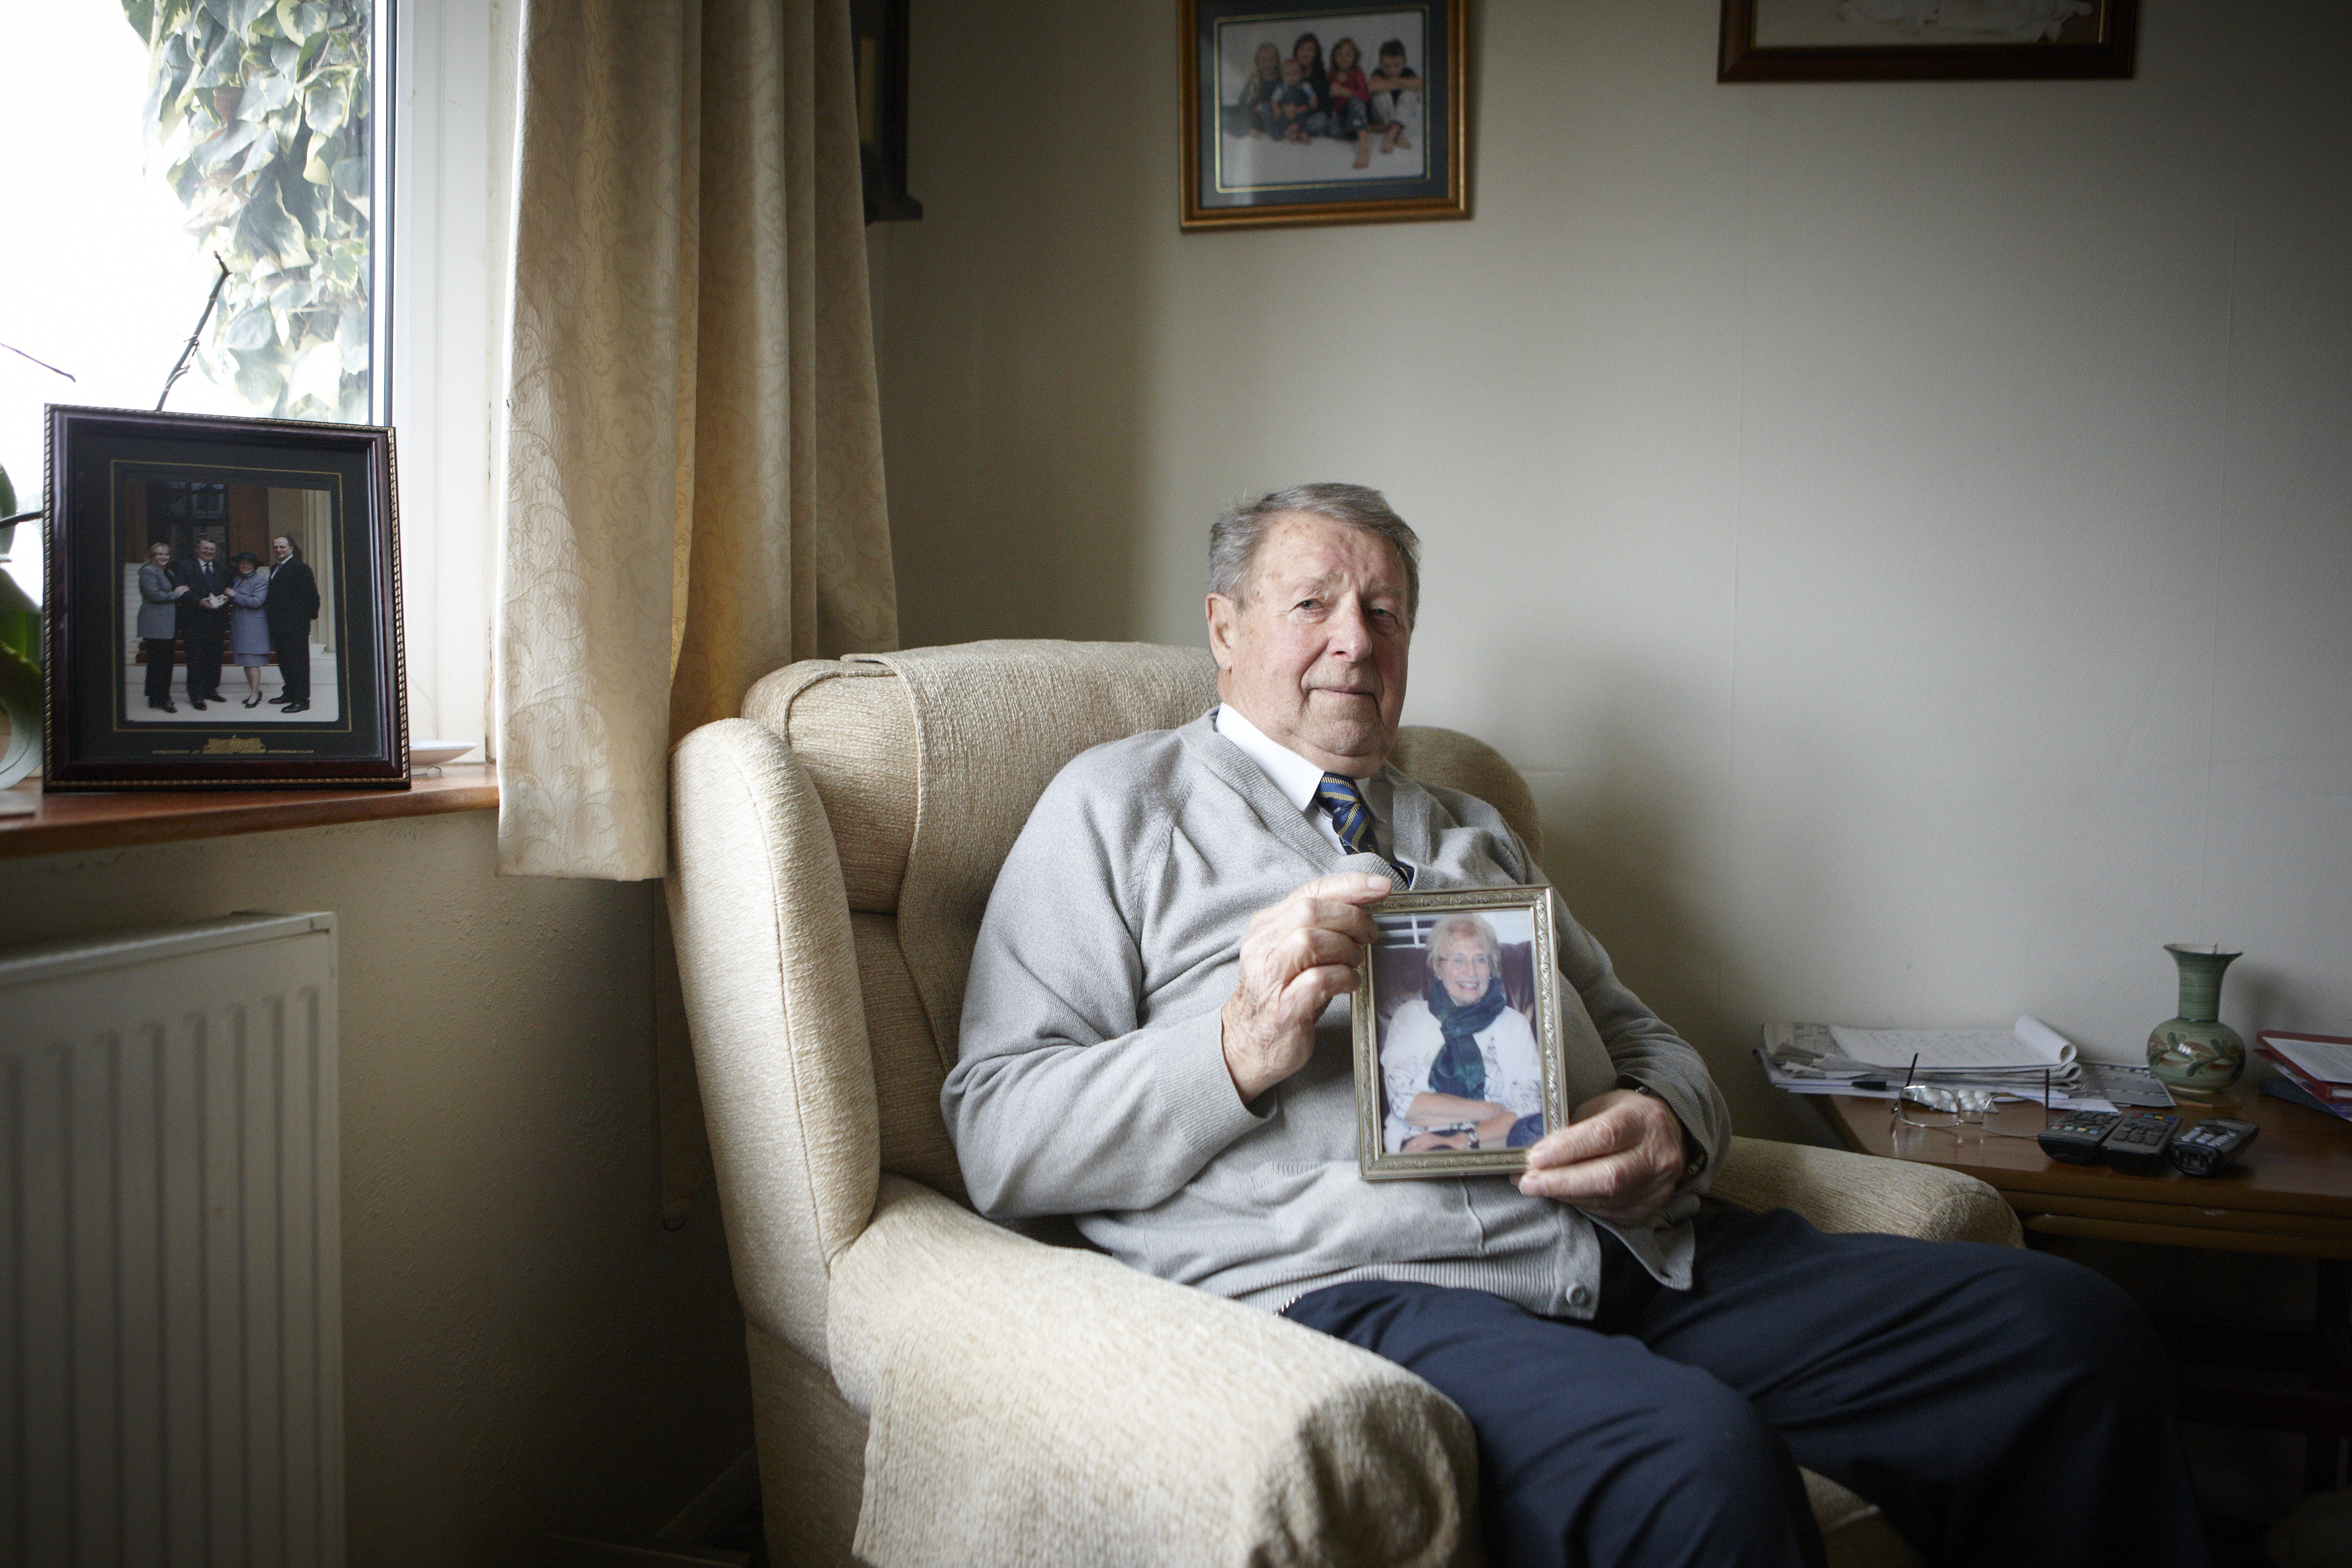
[[1295, 957], [1618, 1161]]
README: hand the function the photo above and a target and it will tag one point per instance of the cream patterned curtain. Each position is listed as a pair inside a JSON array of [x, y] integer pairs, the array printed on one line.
[[694, 451]]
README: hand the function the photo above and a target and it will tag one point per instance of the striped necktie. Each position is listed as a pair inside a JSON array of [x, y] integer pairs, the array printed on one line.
[[1344, 803]]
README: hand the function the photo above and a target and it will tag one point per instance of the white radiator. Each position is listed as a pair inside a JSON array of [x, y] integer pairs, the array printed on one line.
[[171, 1345]]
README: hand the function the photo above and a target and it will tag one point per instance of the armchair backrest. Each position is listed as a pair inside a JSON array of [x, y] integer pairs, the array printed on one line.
[[916, 771]]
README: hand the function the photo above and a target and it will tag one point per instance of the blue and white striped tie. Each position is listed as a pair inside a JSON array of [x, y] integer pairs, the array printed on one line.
[[1340, 797]]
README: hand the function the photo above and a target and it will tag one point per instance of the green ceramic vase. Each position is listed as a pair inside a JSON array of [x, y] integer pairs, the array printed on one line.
[[2197, 1050]]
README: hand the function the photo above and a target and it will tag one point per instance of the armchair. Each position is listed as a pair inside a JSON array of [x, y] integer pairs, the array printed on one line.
[[932, 1388]]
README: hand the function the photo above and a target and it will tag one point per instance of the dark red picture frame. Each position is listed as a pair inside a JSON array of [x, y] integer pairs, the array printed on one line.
[[100, 461]]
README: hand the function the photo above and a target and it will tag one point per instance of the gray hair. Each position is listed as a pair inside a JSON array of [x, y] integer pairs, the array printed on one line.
[[1235, 537], [1478, 930]]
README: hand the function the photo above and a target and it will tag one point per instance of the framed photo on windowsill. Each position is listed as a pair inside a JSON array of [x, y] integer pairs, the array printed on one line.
[[1458, 1053], [223, 604], [1322, 113]]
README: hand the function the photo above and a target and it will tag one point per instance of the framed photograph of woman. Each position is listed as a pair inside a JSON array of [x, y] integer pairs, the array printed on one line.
[[224, 604], [1458, 1064], [1309, 113]]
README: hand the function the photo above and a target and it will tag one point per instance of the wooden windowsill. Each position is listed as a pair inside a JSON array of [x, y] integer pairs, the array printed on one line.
[[67, 823]]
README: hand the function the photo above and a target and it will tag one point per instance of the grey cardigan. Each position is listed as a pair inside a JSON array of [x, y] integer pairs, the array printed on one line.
[[1092, 1081]]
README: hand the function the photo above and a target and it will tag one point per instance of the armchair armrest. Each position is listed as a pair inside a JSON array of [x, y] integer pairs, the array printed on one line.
[[1044, 1405], [1840, 1191]]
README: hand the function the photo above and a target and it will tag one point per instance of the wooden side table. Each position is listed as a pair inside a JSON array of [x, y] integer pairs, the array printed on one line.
[[2290, 1195]]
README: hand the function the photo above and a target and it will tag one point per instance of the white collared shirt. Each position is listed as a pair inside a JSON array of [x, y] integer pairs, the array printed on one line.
[[1298, 779]]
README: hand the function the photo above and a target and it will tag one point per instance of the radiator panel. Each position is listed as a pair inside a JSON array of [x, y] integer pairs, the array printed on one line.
[[171, 1389]]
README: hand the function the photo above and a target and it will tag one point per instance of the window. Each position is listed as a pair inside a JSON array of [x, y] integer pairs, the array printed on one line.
[[163, 133]]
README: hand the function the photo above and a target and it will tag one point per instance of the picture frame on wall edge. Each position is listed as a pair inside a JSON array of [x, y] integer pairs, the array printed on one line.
[[168, 534], [1458, 1052], [1927, 40], [1322, 113]]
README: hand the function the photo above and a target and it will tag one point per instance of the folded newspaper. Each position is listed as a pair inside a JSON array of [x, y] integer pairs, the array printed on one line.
[[1828, 1058]]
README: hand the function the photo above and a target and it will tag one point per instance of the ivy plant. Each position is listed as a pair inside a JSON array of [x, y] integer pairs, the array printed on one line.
[[259, 111]]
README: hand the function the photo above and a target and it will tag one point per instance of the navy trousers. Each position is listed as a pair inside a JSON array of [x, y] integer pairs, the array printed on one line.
[[2001, 1406]]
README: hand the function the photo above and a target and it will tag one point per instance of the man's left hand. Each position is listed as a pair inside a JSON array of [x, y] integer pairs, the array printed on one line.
[[1619, 1160]]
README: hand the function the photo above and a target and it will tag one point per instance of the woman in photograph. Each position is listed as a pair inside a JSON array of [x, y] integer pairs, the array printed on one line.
[[159, 622], [1459, 1063], [1246, 116], [1350, 108], [248, 625]]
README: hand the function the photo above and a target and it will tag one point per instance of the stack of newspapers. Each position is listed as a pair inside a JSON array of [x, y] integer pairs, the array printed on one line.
[[1829, 1058]]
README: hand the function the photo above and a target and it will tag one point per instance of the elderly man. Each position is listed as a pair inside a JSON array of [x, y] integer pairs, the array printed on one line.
[[1156, 1041]]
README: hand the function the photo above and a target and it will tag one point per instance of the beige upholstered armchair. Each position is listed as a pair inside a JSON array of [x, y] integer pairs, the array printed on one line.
[[930, 1387]]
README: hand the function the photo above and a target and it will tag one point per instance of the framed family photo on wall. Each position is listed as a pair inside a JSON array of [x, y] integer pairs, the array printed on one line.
[[1915, 40], [1458, 1064], [1322, 113], [224, 604]]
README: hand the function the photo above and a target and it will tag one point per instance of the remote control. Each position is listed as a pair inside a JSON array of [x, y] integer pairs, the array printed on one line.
[[2136, 1145], [2207, 1149], [2076, 1136]]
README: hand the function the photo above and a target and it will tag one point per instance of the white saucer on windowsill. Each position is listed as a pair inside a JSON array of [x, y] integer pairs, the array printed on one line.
[[423, 754]]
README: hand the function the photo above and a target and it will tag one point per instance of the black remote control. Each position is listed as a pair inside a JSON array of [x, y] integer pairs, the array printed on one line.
[[2076, 1136], [2136, 1145], [2207, 1149]]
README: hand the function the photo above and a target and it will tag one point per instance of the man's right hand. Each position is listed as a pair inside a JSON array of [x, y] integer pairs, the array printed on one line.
[[1295, 957]]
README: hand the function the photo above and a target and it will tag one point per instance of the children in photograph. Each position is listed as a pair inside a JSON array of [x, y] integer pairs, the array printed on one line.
[[1350, 110], [1246, 116], [1285, 116], [1395, 97], [1308, 51]]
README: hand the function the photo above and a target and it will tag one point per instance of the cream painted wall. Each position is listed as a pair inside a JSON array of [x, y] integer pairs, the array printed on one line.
[[1903, 531], [525, 1348]]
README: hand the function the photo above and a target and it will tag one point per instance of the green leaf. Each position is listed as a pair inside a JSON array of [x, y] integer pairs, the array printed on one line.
[[141, 14], [351, 181], [249, 329], [221, 63], [266, 93], [269, 228], [328, 104], [244, 14]]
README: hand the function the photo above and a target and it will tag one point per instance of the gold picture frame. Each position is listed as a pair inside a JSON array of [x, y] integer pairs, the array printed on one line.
[[1342, 157], [1411, 1080]]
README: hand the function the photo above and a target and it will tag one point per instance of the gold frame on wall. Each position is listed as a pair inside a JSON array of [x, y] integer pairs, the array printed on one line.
[[1442, 191]]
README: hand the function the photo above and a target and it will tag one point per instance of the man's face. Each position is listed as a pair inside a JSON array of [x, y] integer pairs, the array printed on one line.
[[1465, 969], [279, 550], [205, 551], [1314, 652]]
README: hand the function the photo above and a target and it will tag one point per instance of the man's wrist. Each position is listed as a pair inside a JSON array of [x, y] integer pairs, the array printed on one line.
[[1694, 1151]]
